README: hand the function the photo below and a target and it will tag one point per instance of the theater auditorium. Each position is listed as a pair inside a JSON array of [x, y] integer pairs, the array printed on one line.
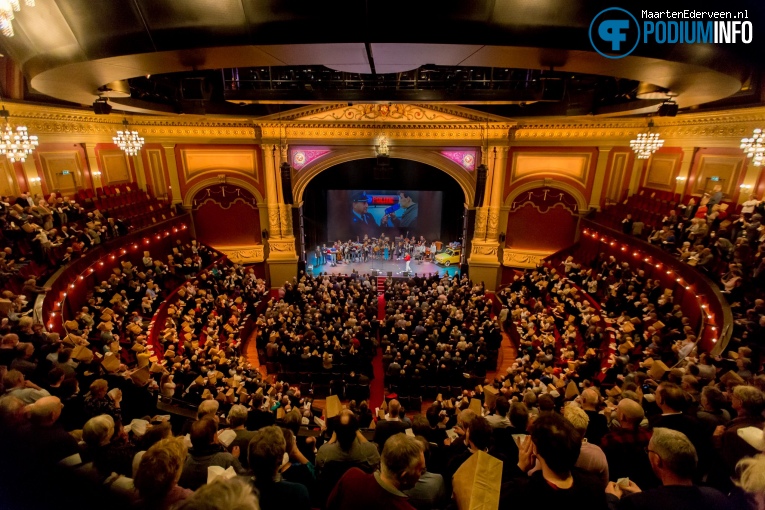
[[431, 255]]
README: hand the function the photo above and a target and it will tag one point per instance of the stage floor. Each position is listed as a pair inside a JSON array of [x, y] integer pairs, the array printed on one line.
[[395, 266]]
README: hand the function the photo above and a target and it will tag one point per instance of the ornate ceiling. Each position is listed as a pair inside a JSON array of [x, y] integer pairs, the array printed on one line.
[[74, 50]]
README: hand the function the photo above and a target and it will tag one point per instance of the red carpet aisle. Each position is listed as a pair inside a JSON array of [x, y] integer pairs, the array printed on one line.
[[377, 386]]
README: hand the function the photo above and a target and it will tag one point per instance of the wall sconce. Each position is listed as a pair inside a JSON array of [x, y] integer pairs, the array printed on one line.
[[96, 173], [746, 187], [35, 180], [680, 179]]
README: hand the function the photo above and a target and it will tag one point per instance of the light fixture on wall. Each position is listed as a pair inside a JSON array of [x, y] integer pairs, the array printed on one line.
[[646, 143], [7, 9], [128, 140], [18, 144], [680, 178], [35, 181], [754, 147]]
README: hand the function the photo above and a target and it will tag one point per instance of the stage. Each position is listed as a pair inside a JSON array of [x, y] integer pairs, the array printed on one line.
[[394, 266]]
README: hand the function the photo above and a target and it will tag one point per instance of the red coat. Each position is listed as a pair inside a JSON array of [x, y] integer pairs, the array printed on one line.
[[407, 257]]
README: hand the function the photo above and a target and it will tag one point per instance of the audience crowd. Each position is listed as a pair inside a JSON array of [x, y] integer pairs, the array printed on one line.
[[608, 403]]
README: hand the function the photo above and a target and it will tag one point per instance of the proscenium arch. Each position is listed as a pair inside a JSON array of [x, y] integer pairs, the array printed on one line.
[[432, 158], [188, 197], [581, 202]]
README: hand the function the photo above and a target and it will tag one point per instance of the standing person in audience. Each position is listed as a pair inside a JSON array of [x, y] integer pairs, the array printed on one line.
[[430, 492], [266, 455], [591, 457], [348, 448], [158, 474], [625, 446], [402, 463], [222, 494], [206, 452], [390, 426], [553, 444], [673, 460], [597, 424], [237, 418]]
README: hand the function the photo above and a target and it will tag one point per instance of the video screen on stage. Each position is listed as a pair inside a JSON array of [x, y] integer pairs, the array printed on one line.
[[352, 214]]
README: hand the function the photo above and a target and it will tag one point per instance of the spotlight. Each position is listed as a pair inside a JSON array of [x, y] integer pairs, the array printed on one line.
[[101, 106]]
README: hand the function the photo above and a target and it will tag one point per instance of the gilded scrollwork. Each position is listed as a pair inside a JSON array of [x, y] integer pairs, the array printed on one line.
[[243, 254]]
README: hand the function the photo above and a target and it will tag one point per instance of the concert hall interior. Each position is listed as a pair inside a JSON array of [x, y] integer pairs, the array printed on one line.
[[442, 219]]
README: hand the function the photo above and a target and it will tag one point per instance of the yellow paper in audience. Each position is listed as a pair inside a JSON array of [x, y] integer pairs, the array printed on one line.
[[140, 377], [333, 406], [571, 390], [657, 370], [658, 325], [731, 378], [476, 407], [82, 353], [111, 363], [490, 395], [477, 482]]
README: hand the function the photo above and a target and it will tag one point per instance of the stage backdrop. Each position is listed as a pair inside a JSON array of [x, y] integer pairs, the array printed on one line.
[[354, 214], [357, 176]]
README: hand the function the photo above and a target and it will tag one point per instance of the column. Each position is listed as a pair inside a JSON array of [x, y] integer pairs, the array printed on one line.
[[172, 168], [140, 173], [600, 176], [281, 257], [95, 171], [484, 261], [681, 182], [30, 171]]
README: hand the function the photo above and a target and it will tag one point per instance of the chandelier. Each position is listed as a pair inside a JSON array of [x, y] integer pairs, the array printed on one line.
[[7, 8], [646, 143], [18, 144], [128, 140], [754, 147]]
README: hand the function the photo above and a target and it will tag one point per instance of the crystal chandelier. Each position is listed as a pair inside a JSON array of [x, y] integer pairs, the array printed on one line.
[[754, 147], [18, 144], [646, 143], [7, 8], [128, 140]]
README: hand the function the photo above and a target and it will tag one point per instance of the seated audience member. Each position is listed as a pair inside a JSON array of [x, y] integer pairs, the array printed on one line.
[[591, 457], [266, 455], [430, 491], [674, 461], [750, 483], [222, 494], [158, 473], [401, 464], [555, 445], [624, 446], [712, 410], [205, 452]]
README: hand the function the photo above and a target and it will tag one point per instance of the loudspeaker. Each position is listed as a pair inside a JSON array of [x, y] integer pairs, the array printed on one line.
[[101, 107], [480, 186], [390, 273], [668, 109], [407, 274], [301, 266], [464, 269], [287, 183]]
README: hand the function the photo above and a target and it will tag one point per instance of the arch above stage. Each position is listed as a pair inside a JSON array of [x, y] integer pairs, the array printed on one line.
[[428, 156]]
